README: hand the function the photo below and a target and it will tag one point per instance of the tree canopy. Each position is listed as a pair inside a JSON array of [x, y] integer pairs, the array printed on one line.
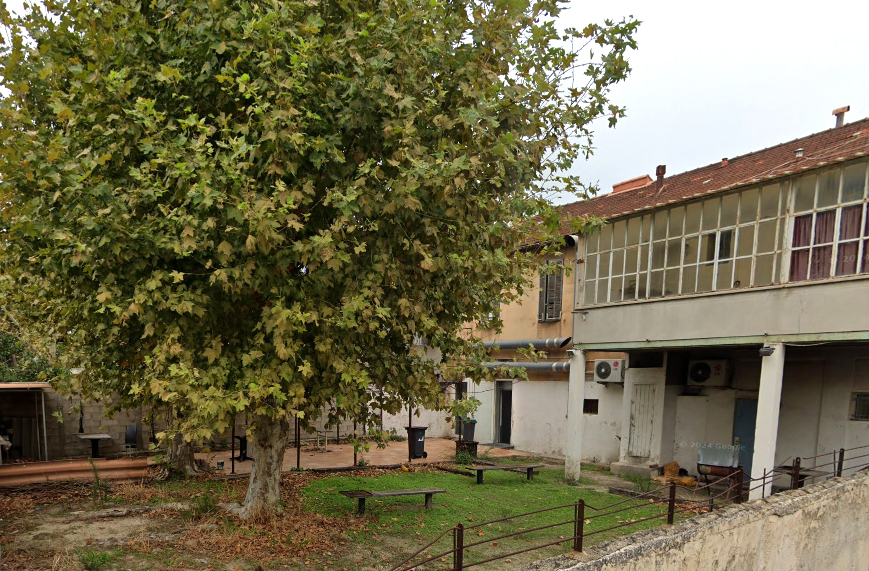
[[261, 206]]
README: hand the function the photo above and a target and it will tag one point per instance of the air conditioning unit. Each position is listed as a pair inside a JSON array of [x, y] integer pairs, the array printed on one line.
[[609, 370], [708, 373]]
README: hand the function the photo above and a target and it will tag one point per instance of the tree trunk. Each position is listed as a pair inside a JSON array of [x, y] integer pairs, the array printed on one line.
[[266, 446], [179, 454]]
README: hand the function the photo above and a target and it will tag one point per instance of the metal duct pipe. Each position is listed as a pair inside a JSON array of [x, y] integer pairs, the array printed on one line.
[[551, 366], [507, 344]]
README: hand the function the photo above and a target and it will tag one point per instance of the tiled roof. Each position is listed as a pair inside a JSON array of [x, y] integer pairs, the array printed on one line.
[[827, 147]]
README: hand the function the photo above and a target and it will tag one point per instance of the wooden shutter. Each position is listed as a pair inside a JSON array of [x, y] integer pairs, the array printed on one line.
[[541, 303], [553, 296]]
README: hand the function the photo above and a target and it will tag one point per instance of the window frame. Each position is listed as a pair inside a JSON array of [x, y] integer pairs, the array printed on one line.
[[551, 285]]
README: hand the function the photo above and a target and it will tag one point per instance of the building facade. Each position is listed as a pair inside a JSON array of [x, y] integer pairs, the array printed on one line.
[[740, 293]]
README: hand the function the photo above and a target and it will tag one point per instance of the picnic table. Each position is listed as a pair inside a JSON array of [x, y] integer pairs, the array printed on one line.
[[363, 495], [528, 468]]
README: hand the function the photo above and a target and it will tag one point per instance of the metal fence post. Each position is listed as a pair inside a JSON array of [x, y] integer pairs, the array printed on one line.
[[578, 525], [841, 461], [459, 548], [671, 503], [795, 474], [740, 482]]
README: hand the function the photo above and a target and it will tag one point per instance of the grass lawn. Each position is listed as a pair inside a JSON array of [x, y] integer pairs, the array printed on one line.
[[405, 526], [60, 526]]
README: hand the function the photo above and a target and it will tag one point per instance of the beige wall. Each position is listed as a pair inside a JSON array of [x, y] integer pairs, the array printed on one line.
[[825, 526]]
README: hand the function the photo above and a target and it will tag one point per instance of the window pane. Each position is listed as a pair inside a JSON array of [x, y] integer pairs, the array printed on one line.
[[674, 252], [766, 236], [763, 270], [690, 252], [606, 238], [631, 261], [729, 204], [748, 208], [591, 267], [671, 282], [710, 214], [805, 194], [824, 226], [657, 255], [854, 182], [828, 188], [656, 285], [769, 201], [602, 288], [619, 234], [677, 217], [707, 248], [603, 267], [822, 258], [846, 262], [644, 258], [704, 277], [802, 231], [725, 244], [660, 225], [849, 227], [591, 243], [725, 276], [631, 287], [743, 273], [864, 262], [616, 289], [692, 218], [633, 231], [589, 292], [642, 286], [618, 262], [646, 228], [745, 246], [689, 277]]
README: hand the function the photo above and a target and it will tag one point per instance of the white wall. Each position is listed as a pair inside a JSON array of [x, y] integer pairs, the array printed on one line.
[[645, 376], [484, 392], [539, 417], [804, 308], [601, 432]]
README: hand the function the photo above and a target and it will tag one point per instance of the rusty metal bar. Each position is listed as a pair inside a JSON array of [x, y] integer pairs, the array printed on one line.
[[795, 474], [841, 461], [524, 531], [671, 503], [580, 525], [659, 516], [459, 548], [515, 553], [415, 565], [522, 515], [740, 483]]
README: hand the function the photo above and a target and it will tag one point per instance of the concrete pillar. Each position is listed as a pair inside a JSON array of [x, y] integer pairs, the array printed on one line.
[[766, 428], [575, 419]]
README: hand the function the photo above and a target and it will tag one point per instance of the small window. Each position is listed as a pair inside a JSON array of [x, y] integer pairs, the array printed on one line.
[[551, 283], [589, 406], [860, 406]]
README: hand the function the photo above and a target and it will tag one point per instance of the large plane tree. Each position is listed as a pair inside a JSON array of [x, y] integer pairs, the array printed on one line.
[[263, 205]]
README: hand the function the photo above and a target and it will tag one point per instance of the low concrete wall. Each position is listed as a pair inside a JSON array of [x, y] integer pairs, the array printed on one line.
[[825, 526]]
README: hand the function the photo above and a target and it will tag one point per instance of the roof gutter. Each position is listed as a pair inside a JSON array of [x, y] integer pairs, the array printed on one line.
[[551, 366], [550, 343]]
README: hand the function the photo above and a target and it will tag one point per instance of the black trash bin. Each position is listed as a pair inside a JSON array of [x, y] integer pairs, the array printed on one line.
[[416, 441]]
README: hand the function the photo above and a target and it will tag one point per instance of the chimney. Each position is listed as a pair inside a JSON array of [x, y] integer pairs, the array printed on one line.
[[724, 162], [659, 173], [631, 184], [840, 115]]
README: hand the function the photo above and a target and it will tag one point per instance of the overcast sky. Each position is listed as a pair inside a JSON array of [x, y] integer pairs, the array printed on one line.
[[721, 79]]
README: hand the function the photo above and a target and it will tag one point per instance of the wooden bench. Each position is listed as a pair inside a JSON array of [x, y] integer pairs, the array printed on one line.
[[363, 495], [527, 468]]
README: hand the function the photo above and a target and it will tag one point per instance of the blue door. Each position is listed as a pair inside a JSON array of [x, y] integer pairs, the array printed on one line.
[[744, 420]]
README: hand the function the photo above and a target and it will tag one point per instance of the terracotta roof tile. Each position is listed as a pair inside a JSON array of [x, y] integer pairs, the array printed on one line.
[[827, 147]]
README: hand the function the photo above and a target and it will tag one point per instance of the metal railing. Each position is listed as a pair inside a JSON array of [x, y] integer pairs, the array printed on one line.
[[805, 469], [674, 507]]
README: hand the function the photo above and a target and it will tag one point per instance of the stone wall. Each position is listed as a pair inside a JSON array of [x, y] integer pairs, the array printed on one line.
[[824, 526]]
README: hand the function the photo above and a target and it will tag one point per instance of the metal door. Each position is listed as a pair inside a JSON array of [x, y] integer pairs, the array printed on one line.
[[744, 421], [505, 411], [642, 418]]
